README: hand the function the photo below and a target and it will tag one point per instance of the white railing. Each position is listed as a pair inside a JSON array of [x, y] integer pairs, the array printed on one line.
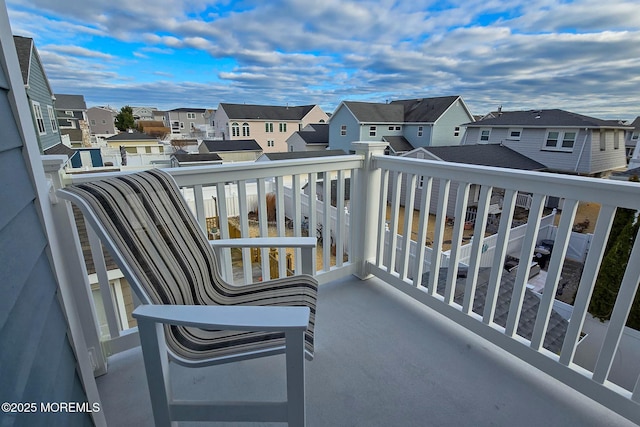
[[370, 249], [399, 175]]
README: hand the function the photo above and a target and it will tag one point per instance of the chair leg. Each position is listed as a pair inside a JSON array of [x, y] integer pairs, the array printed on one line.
[[295, 378], [156, 364]]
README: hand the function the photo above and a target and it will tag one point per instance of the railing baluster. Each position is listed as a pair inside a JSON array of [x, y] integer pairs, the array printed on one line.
[[479, 229], [621, 309], [264, 228], [423, 227], [587, 283], [553, 273], [382, 227], [410, 189], [441, 216], [522, 273], [243, 219], [340, 194], [504, 231], [199, 201], [313, 214], [326, 226], [223, 224], [456, 239], [395, 214], [108, 302], [280, 224], [297, 220]]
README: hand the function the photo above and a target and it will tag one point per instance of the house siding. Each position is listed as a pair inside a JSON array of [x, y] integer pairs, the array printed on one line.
[[98, 115], [411, 134], [343, 142], [38, 91], [443, 132], [37, 363], [610, 158]]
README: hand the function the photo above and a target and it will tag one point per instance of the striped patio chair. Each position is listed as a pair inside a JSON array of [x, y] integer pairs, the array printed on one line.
[[148, 228]]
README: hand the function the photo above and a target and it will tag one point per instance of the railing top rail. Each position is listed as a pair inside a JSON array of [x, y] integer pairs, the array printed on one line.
[[202, 175], [609, 192]]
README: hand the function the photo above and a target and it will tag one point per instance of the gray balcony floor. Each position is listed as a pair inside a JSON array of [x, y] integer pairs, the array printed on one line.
[[381, 359]]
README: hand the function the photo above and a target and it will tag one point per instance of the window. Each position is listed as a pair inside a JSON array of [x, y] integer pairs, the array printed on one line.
[[245, 129], [104, 122], [69, 113], [397, 127], [420, 182], [37, 113], [191, 115], [390, 127], [235, 129], [456, 131], [484, 135], [268, 127], [372, 131], [603, 140], [616, 140], [514, 134], [192, 125], [420, 130], [560, 140], [283, 127], [291, 148], [635, 135], [343, 130], [270, 143], [52, 118], [93, 122], [181, 125]]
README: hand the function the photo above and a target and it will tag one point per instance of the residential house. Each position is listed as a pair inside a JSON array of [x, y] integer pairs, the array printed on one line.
[[185, 121], [269, 125], [71, 111], [313, 137], [481, 155], [154, 128], [181, 159], [102, 121], [238, 150], [159, 116], [39, 93], [134, 148], [561, 140], [144, 113], [631, 139], [405, 124]]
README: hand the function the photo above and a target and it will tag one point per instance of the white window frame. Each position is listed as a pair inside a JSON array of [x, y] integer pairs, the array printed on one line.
[[37, 113], [616, 139], [245, 129], [373, 130], [235, 129], [510, 135], [181, 125], [420, 130], [635, 135], [270, 143], [52, 118], [282, 127], [343, 130], [456, 131], [420, 183], [268, 127], [481, 136], [191, 116], [560, 140]]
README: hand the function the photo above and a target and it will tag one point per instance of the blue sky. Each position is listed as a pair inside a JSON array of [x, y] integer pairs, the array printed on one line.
[[582, 56]]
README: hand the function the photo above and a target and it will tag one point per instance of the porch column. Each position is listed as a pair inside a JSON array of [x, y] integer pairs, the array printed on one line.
[[364, 217]]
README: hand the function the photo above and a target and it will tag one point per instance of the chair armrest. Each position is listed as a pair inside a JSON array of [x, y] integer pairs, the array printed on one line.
[[237, 318], [266, 242]]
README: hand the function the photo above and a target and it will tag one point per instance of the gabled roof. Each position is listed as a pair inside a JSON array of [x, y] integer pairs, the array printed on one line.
[[23, 49], [131, 136], [231, 145], [369, 112], [186, 110], [556, 329], [399, 144], [197, 157], [70, 102], [485, 155], [265, 112], [60, 148], [315, 133], [636, 123], [302, 154], [545, 118], [425, 110]]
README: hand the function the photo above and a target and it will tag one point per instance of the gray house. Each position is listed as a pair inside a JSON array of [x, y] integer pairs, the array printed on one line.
[[102, 121], [562, 141], [313, 137], [185, 121], [72, 119], [631, 139], [39, 93], [405, 124], [238, 150]]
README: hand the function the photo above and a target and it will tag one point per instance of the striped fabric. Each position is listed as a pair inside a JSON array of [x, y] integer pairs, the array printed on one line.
[[160, 240]]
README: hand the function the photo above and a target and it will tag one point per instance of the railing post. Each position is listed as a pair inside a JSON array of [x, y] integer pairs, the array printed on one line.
[[71, 269], [365, 208]]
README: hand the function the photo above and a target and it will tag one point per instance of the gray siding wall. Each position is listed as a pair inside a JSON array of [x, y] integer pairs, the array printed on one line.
[[411, 134], [38, 91], [37, 363], [609, 158], [99, 128], [444, 128], [340, 142]]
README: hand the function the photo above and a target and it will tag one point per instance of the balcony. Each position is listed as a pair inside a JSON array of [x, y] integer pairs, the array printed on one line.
[[403, 335]]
